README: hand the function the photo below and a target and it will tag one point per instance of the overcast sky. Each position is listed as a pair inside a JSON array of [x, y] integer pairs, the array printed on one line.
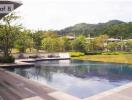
[[58, 14]]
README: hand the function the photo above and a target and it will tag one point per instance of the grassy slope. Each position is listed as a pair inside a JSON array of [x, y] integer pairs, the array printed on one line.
[[108, 58]]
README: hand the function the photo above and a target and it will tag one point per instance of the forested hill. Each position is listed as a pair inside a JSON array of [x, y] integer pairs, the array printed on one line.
[[113, 28]]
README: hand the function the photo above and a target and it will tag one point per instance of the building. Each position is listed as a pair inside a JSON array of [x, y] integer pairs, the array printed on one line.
[[71, 37]]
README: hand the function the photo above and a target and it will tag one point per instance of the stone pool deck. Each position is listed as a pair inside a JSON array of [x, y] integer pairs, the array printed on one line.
[[16, 87], [120, 93], [25, 62], [18, 63]]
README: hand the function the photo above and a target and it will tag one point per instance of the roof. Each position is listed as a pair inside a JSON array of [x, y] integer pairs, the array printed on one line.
[[16, 4], [112, 39], [90, 38], [16, 1]]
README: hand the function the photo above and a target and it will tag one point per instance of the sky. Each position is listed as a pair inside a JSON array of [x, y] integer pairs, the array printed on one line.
[[58, 14]]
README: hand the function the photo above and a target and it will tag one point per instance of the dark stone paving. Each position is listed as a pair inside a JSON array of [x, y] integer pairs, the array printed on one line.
[[14, 87]]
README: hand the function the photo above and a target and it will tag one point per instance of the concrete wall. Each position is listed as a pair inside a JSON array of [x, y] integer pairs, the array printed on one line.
[[46, 55]]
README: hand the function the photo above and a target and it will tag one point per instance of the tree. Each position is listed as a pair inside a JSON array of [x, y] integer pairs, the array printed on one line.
[[129, 45], [99, 42], [79, 43], [112, 46], [121, 46], [67, 44], [24, 41], [50, 34], [8, 33], [50, 44], [37, 38], [61, 44]]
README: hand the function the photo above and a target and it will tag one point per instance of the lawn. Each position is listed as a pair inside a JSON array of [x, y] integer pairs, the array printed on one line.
[[108, 58]]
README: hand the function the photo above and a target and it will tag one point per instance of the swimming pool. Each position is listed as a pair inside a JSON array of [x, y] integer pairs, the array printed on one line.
[[78, 78]]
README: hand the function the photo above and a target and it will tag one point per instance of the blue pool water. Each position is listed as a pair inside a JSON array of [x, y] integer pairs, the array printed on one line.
[[78, 78]]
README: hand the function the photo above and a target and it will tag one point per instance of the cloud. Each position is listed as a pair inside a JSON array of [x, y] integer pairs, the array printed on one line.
[[57, 14]]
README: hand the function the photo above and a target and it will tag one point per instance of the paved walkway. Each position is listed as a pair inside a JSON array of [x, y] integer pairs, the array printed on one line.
[[25, 62], [15, 87], [120, 93], [18, 63]]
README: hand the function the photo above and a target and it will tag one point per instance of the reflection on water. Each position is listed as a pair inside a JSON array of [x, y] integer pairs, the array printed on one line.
[[78, 78]]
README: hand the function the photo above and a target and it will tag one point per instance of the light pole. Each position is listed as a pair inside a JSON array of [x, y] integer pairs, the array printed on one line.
[[7, 6]]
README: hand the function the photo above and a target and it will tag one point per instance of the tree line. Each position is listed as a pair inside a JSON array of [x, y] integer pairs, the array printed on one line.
[[113, 28], [15, 36]]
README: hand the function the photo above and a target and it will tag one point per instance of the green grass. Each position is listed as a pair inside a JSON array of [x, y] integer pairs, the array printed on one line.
[[126, 58], [76, 54], [27, 50], [115, 53]]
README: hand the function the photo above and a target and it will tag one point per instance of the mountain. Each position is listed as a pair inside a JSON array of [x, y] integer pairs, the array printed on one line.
[[112, 28]]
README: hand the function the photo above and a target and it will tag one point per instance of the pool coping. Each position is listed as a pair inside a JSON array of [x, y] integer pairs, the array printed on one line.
[[18, 63], [109, 92], [25, 62], [56, 94]]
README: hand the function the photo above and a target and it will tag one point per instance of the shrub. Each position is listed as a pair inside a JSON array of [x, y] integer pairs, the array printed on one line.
[[76, 54], [111, 53], [7, 59], [34, 56], [93, 53]]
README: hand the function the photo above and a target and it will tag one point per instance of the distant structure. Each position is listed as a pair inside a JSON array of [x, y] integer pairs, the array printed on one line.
[[70, 37], [64, 55], [7, 6], [113, 40]]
